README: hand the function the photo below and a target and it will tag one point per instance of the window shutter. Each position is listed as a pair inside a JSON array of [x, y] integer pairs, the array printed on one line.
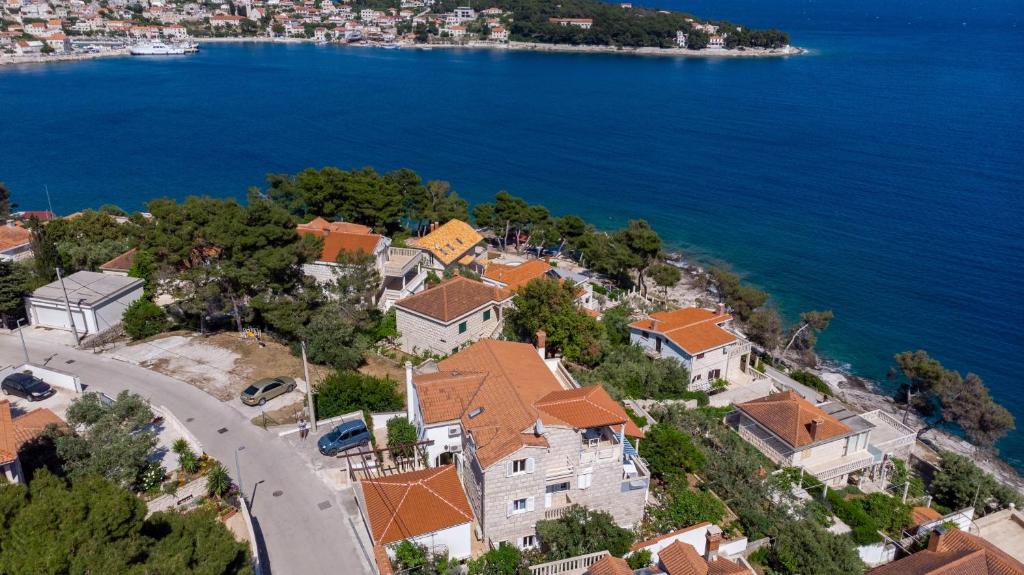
[[508, 510], [529, 503], [508, 469], [529, 465]]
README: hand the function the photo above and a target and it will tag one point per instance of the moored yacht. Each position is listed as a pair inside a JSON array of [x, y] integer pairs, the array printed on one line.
[[156, 48]]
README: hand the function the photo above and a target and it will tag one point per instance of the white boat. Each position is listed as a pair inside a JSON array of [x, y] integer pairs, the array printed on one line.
[[156, 48], [390, 46]]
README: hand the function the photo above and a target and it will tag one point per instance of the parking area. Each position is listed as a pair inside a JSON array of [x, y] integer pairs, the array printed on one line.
[[57, 403]]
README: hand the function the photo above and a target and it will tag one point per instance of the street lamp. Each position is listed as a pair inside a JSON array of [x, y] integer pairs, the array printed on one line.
[[22, 334], [238, 471]]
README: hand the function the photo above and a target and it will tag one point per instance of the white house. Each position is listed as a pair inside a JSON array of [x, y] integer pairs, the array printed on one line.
[[464, 13], [427, 507], [444, 318], [701, 340], [97, 301], [222, 20], [499, 34], [584, 23]]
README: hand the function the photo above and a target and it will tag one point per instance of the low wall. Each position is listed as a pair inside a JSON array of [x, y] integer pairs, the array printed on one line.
[[254, 542], [876, 553], [186, 496], [175, 425], [54, 377], [381, 419]]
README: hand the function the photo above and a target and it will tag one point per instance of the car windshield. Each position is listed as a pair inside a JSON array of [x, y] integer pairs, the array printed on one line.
[[333, 436], [38, 385], [251, 390]]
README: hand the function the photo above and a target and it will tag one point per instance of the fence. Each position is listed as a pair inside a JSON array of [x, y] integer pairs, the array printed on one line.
[[571, 566]]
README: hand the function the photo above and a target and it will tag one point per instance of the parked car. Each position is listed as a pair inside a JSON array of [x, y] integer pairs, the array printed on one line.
[[266, 389], [344, 437], [26, 385]]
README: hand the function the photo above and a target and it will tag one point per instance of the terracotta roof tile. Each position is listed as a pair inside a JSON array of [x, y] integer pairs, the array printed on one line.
[[415, 503], [450, 241], [13, 236], [519, 275], [682, 559], [723, 566], [507, 381], [790, 416], [957, 553], [921, 515], [8, 438], [17, 431], [121, 263], [610, 566], [693, 329], [341, 237], [453, 298]]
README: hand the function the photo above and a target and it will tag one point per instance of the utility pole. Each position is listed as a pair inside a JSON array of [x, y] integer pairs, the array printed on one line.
[[22, 334], [238, 471], [67, 305], [49, 204], [309, 388]]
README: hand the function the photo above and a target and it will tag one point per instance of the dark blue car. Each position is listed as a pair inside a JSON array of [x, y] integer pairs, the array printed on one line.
[[344, 437]]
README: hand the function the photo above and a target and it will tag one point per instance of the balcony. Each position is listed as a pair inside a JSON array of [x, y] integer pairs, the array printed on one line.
[[401, 261], [889, 434], [766, 443], [841, 466]]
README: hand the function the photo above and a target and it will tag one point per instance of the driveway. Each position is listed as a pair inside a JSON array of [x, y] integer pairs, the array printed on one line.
[[308, 527]]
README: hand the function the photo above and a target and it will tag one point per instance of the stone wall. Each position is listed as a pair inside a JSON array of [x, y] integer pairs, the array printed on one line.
[[420, 334], [186, 496]]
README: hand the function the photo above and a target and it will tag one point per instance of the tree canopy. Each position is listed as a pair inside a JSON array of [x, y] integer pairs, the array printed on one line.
[[580, 531], [549, 305]]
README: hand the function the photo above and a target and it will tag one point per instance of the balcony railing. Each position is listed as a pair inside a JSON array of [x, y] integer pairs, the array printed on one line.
[[572, 565], [556, 512], [401, 260], [832, 472], [777, 456]]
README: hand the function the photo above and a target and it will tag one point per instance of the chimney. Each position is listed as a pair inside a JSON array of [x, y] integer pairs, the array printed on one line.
[[433, 226], [936, 540], [816, 423], [714, 539], [542, 339], [721, 309], [410, 394]]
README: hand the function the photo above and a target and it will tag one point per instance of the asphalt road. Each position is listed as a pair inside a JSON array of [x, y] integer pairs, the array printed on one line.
[[307, 527]]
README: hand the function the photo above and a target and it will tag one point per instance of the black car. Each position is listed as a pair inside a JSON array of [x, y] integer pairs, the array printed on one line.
[[26, 385]]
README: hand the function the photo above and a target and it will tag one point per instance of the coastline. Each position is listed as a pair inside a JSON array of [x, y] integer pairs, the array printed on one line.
[[865, 394], [511, 46]]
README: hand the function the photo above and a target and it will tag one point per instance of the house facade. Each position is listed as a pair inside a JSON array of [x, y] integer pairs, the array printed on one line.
[[400, 269], [827, 440], [700, 339], [15, 242], [529, 443], [446, 317]]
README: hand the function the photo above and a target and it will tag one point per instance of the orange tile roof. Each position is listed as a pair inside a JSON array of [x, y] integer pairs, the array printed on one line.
[[121, 263], [341, 237], [583, 408], [450, 241], [789, 416], [516, 276], [508, 380], [17, 431], [13, 236], [682, 559], [693, 329], [415, 503], [922, 515], [609, 565], [453, 298], [955, 553]]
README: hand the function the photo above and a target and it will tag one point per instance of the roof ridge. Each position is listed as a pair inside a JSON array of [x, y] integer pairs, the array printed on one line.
[[445, 500], [397, 509]]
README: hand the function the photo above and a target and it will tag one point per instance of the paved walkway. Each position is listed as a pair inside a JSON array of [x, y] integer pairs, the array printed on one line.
[[307, 526]]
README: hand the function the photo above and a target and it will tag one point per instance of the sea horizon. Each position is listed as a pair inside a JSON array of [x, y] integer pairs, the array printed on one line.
[[878, 176]]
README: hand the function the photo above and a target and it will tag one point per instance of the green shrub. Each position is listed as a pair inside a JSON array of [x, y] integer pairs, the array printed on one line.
[[812, 381], [348, 391], [638, 419], [581, 531], [401, 434], [683, 506], [143, 319], [670, 452], [217, 480], [639, 559]]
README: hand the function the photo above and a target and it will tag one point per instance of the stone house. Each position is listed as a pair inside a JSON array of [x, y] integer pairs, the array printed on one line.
[[702, 340], [529, 443], [444, 318], [827, 440]]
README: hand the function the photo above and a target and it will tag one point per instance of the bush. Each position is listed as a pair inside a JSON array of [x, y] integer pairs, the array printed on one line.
[[959, 480], [581, 531], [812, 381], [347, 391], [218, 482], [402, 434], [670, 452], [143, 319], [504, 560], [627, 372], [684, 506], [902, 474], [639, 559]]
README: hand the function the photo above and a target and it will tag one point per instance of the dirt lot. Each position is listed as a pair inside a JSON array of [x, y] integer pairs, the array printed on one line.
[[378, 366]]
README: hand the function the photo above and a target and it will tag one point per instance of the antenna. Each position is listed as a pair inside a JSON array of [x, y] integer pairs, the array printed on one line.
[[48, 202]]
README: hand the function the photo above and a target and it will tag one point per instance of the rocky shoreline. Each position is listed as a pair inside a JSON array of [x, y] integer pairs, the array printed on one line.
[[58, 58], [865, 395]]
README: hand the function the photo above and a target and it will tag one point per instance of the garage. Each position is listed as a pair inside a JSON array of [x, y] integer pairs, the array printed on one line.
[[97, 302]]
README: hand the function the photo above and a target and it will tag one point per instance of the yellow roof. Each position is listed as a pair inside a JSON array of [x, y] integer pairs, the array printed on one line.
[[449, 241]]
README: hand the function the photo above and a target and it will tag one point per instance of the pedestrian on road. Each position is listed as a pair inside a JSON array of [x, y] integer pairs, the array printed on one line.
[[303, 428]]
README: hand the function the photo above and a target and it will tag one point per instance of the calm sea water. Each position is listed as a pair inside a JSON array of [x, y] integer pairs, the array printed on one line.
[[880, 177]]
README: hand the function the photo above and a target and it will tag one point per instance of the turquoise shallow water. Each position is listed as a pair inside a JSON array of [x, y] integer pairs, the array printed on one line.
[[880, 176]]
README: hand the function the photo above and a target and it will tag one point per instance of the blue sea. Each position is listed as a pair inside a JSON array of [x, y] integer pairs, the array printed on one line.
[[880, 176]]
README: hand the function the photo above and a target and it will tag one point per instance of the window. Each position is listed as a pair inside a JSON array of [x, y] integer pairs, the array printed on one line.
[[657, 344], [714, 374], [585, 480], [487, 315], [519, 505], [462, 327], [696, 377], [519, 466], [528, 542], [700, 356], [453, 431], [557, 487], [645, 335]]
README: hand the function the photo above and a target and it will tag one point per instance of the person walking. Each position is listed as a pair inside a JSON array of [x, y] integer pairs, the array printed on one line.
[[303, 428]]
